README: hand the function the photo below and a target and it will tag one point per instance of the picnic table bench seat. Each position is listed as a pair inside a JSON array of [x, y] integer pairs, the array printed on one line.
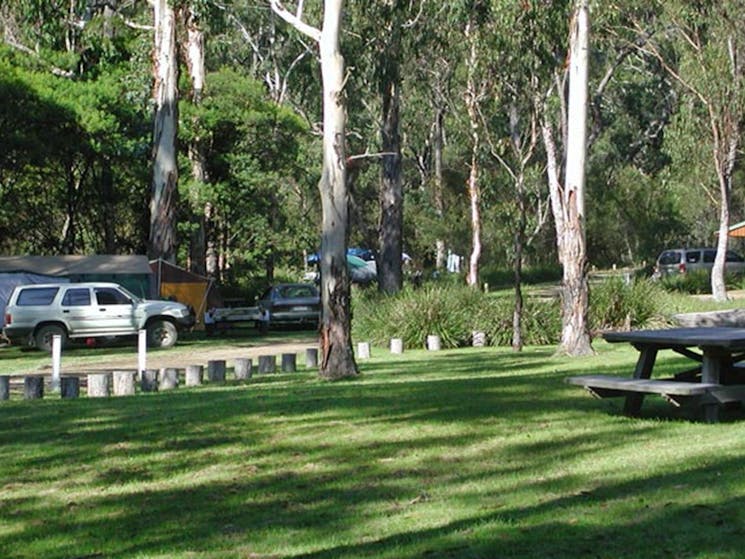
[[674, 391]]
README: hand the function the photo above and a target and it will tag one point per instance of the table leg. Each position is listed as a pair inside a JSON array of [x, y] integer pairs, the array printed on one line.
[[643, 370], [711, 370]]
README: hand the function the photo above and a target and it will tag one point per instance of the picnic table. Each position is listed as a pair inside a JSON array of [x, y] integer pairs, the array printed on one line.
[[715, 380]]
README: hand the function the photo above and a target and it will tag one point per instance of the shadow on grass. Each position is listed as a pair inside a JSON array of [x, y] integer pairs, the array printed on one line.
[[420, 457]]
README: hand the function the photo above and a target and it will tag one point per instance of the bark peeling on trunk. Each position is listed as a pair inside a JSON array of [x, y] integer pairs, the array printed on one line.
[[162, 242], [567, 200], [337, 357]]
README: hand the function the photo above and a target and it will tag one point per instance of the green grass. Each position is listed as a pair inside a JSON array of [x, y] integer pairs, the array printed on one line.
[[470, 453]]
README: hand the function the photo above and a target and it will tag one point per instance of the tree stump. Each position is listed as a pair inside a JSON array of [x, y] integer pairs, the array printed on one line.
[[433, 343], [194, 375], [216, 370], [149, 380], [124, 383], [289, 362], [267, 364], [363, 350], [99, 385], [167, 379], [69, 387], [479, 338], [33, 387], [311, 357], [243, 368], [4, 387], [397, 345]]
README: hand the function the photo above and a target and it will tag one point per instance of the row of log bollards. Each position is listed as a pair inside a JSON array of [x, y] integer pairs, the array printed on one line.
[[432, 344], [124, 382]]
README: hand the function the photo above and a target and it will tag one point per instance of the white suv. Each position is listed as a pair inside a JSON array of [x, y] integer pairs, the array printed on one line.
[[36, 313]]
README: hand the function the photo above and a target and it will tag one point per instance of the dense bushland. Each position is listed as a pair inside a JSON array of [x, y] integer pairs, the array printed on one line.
[[454, 311]]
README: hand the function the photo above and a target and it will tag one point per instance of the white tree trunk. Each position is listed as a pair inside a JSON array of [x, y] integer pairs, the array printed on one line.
[[336, 340], [165, 170], [474, 191], [336, 343], [567, 202]]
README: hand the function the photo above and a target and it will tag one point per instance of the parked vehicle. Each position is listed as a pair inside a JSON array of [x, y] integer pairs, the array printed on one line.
[[683, 260], [36, 313], [289, 303]]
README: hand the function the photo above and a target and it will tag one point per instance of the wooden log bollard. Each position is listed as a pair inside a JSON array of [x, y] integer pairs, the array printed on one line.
[[289, 362], [397, 345], [69, 387], [479, 338], [33, 387], [4, 387], [149, 380], [363, 350], [167, 378], [194, 375], [433, 343], [124, 382], [267, 364], [99, 385], [311, 357], [243, 368], [216, 370]]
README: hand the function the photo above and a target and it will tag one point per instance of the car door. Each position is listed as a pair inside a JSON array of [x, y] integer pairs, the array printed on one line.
[[77, 310], [113, 312]]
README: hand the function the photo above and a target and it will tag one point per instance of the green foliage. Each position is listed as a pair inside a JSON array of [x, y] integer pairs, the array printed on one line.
[[452, 312], [615, 303], [497, 276]]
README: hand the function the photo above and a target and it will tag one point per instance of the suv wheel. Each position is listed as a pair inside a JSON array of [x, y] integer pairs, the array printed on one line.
[[44, 336], [161, 333]]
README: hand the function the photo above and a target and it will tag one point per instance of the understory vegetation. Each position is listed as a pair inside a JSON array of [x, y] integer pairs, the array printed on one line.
[[454, 312]]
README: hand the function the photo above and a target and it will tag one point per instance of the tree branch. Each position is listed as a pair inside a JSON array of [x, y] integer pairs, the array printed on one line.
[[295, 19]]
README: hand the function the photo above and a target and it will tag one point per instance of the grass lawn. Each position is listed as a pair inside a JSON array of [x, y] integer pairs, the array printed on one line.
[[460, 454]]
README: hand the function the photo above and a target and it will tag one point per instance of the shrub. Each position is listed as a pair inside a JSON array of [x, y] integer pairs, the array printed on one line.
[[452, 312], [615, 303], [696, 282]]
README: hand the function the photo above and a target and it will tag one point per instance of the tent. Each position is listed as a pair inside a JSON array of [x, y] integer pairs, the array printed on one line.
[[9, 280], [174, 282], [131, 271]]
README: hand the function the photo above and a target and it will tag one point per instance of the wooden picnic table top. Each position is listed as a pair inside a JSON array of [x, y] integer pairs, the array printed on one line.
[[716, 337]]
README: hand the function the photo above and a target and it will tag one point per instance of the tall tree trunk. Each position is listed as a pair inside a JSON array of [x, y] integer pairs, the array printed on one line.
[[438, 185], [390, 273], [569, 201], [336, 325], [194, 54], [725, 129], [162, 242], [474, 193], [336, 340], [109, 206]]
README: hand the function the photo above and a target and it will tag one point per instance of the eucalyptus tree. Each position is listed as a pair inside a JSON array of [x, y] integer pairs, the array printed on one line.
[[336, 343], [702, 48], [510, 121], [164, 186], [567, 189]]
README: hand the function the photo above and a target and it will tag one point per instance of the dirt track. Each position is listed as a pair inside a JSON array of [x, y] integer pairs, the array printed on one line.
[[181, 356]]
